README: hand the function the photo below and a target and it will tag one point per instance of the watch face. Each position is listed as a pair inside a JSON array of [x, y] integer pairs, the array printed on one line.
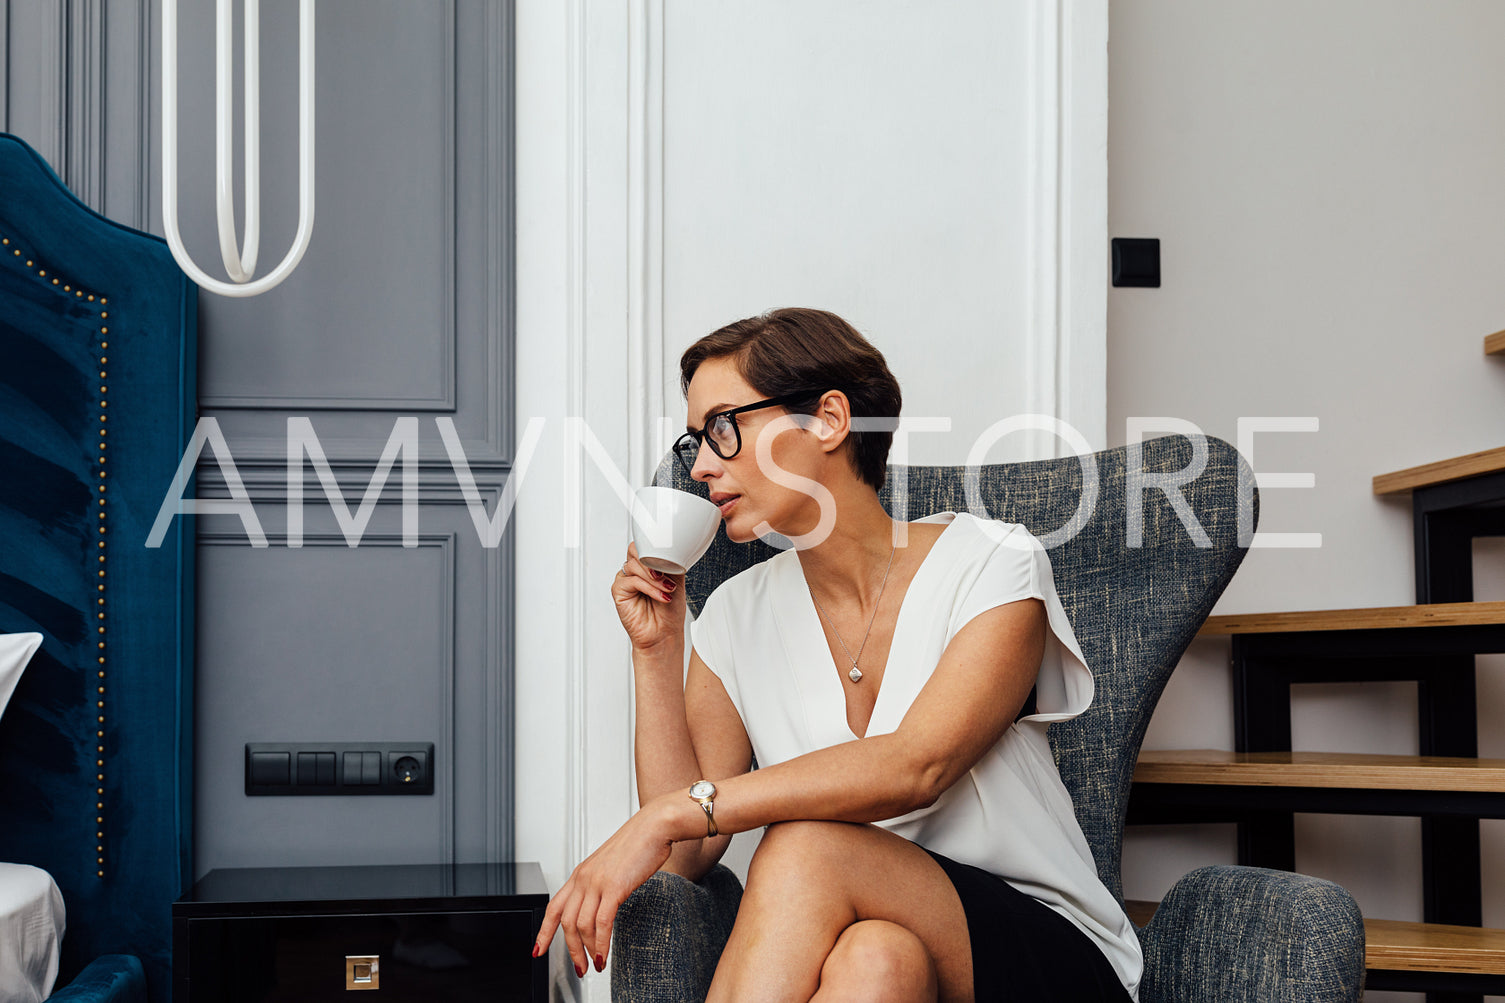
[[703, 789]]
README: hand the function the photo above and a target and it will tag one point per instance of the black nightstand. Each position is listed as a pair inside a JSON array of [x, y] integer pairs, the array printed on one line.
[[420, 933]]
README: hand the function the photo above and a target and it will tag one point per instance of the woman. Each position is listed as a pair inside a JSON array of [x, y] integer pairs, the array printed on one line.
[[920, 844]]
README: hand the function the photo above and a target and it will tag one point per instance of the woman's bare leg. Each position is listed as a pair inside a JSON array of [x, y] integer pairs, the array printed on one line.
[[811, 881]]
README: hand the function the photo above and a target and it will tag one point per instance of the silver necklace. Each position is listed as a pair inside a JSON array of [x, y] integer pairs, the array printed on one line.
[[856, 674]]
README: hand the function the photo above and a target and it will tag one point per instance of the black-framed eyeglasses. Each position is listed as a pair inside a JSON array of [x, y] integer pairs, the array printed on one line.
[[721, 430]]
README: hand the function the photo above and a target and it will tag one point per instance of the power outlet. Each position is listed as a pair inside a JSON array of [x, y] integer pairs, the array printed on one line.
[[322, 769]]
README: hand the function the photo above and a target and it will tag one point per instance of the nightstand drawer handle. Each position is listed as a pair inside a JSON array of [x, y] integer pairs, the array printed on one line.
[[362, 971]]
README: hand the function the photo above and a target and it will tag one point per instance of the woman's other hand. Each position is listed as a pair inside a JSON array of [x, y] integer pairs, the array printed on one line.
[[585, 907], [650, 603]]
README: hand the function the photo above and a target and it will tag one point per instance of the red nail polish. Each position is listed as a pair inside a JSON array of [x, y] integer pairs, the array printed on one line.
[[535, 950], [580, 971], [600, 963]]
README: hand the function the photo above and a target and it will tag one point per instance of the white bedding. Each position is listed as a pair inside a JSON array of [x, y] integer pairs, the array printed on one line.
[[15, 651], [31, 933]]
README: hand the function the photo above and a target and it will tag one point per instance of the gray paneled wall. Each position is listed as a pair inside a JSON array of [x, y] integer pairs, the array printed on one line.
[[403, 306], [75, 82]]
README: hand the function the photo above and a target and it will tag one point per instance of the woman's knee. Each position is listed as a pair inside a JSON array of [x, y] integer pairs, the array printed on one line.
[[877, 960]]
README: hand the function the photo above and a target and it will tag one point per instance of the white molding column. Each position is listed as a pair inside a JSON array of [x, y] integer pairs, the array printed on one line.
[[645, 238], [1082, 221], [589, 340], [1068, 154], [551, 597]]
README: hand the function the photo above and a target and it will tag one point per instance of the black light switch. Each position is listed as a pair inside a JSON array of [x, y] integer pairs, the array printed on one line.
[[1136, 262], [308, 772], [270, 768]]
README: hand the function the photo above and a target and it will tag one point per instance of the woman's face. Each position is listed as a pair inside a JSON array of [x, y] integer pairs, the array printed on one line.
[[741, 486]]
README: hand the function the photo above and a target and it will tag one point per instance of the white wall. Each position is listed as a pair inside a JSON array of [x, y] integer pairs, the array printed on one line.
[[1326, 181], [893, 167], [939, 181]]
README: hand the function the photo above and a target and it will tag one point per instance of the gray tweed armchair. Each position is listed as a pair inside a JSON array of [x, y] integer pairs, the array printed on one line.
[[1223, 933]]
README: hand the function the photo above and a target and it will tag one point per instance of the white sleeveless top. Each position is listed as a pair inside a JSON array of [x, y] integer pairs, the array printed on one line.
[[1010, 814]]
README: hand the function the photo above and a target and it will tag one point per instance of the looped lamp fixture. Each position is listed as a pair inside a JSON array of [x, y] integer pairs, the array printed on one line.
[[240, 262]]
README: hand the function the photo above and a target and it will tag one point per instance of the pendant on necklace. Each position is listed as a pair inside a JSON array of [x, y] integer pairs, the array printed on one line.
[[856, 674]]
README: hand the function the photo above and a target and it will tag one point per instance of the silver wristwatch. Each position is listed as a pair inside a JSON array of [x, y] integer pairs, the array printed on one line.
[[703, 793]]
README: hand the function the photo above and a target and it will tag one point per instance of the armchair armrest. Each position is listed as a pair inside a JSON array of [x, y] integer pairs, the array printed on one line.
[[109, 978], [669, 935], [1247, 933]]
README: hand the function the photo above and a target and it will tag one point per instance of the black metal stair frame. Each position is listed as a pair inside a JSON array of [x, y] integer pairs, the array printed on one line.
[[1446, 518]]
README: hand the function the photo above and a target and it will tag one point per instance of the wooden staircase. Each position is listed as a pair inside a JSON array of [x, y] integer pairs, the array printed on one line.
[[1433, 643]]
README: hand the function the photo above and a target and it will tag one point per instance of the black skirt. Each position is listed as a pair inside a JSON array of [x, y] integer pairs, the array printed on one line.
[[1022, 950]]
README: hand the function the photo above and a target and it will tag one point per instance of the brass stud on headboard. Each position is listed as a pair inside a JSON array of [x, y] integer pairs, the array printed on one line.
[[103, 608]]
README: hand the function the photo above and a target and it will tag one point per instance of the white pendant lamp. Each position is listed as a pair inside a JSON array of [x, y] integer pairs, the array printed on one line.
[[240, 260]]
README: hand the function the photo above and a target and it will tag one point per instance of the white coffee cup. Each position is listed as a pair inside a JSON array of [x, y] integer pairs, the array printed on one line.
[[672, 529]]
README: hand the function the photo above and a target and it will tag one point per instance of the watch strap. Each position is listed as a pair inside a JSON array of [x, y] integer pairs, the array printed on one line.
[[706, 805]]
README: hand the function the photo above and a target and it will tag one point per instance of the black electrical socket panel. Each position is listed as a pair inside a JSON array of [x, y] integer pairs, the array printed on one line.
[[339, 768]]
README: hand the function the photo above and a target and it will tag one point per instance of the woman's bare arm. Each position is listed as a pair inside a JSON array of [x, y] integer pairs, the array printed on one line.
[[666, 757], [651, 606]]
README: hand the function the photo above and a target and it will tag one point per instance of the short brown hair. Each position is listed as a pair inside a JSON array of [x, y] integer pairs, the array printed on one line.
[[798, 350]]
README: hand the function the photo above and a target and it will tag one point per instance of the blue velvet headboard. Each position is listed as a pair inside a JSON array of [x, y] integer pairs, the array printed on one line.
[[97, 399]]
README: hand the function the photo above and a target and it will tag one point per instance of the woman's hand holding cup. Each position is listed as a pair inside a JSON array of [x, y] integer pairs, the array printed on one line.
[[671, 530], [650, 604]]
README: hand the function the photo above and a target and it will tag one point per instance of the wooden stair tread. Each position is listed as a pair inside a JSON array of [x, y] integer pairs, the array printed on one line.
[[1494, 344], [1347, 770], [1489, 461], [1394, 945], [1398, 946], [1380, 617]]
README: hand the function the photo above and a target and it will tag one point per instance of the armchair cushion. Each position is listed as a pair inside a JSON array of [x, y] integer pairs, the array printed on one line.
[[1246, 933]]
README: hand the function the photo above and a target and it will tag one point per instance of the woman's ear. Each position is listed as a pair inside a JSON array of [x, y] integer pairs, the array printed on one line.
[[833, 419]]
